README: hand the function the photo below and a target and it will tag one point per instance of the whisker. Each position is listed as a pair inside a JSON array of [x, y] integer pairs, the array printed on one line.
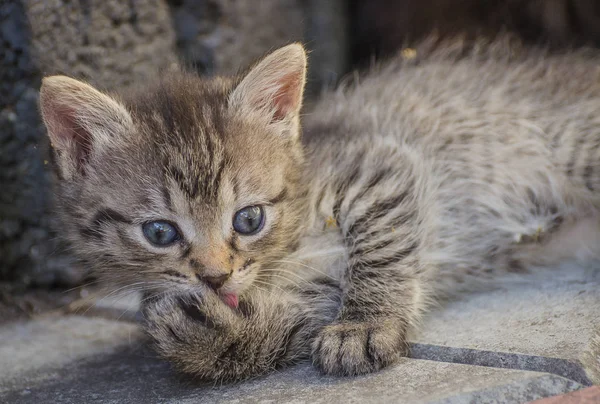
[[111, 294], [278, 275], [305, 266], [262, 282], [286, 272]]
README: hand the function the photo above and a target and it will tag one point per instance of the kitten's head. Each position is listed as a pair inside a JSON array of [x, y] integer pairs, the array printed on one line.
[[190, 184]]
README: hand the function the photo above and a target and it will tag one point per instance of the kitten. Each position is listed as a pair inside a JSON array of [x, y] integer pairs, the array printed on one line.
[[257, 247]]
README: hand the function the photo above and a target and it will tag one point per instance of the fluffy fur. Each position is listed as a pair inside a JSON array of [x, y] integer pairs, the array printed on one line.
[[440, 171]]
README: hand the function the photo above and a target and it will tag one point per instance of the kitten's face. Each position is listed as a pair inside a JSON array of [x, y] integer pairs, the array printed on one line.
[[195, 185]]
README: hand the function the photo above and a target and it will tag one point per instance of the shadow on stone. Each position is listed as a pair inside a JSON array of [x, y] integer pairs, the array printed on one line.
[[503, 360]]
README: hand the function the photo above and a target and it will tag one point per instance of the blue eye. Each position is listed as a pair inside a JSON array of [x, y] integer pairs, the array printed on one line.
[[160, 233], [249, 220]]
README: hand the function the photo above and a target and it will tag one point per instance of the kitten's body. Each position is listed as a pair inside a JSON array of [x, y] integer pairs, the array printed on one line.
[[502, 146], [434, 175]]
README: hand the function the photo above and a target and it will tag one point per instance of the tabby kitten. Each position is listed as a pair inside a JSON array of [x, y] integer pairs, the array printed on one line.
[[442, 170]]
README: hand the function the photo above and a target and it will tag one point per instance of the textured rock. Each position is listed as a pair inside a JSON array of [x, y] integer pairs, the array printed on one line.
[[220, 36], [110, 43]]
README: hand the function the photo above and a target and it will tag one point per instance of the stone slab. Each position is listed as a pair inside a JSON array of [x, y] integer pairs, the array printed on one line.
[[543, 323], [74, 359], [135, 376], [54, 342]]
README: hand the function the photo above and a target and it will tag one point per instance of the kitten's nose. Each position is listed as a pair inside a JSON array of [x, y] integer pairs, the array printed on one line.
[[215, 282]]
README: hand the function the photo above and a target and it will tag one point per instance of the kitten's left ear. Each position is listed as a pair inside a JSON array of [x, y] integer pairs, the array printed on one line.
[[274, 86]]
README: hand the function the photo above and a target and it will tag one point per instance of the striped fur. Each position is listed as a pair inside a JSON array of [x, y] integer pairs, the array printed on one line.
[[434, 174]]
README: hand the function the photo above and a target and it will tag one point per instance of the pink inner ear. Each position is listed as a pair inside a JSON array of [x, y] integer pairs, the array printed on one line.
[[287, 98], [67, 131]]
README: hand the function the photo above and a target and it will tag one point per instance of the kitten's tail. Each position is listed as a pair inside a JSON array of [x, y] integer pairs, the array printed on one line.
[[591, 358]]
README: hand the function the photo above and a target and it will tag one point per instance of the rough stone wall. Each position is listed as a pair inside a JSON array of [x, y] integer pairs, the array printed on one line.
[[112, 44], [219, 36]]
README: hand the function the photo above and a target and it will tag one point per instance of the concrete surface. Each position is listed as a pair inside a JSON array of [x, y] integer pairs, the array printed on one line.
[[544, 324], [513, 345]]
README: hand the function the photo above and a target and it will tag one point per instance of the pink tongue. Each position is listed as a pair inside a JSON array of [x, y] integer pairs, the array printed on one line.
[[231, 300]]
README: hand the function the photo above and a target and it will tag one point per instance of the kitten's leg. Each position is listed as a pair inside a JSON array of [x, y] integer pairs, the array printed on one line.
[[384, 293], [207, 339]]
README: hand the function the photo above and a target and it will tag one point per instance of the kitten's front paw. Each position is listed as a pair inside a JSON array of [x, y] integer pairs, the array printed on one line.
[[354, 348], [204, 337], [190, 331]]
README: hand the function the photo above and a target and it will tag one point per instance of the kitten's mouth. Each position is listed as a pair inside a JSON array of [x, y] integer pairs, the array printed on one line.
[[230, 299]]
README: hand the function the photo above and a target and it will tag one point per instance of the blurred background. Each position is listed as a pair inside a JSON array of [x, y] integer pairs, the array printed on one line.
[[116, 43]]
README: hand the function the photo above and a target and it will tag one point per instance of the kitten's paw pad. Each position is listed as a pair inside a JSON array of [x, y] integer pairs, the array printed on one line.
[[354, 348]]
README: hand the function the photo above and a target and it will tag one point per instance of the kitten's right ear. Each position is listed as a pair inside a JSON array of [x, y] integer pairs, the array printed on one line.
[[79, 120]]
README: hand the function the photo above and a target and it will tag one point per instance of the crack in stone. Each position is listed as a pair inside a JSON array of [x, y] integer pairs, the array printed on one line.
[[504, 360]]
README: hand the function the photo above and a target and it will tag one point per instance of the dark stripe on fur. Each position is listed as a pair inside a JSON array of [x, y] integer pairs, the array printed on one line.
[[320, 196], [176, 274], [217, 180], [590, 162], [389, 260], [132, 245], [574, 155], [245, 308], [195, 264], [187, 249], [230, 352], [101, 218], [167, 198], [233, 243], [345, 183], [376, 211], [175, 335], [193, 311], [280, 197], [368, 344], [343, 336], [366, 247], [190, 188], [326, 282], [373, 181]]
